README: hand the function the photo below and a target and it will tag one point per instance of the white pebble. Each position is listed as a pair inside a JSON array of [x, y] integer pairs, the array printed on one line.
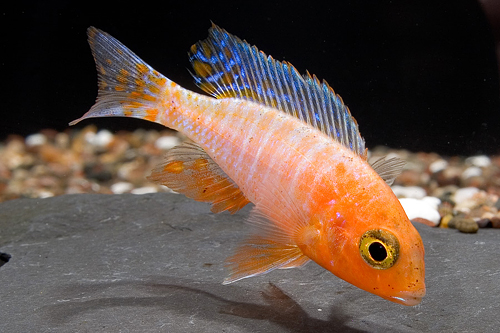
[[438, 165], [121, 187], [472, 171], [35, 140], [167, 142], [144, 190], [409, 192], [45, 194], [419, 208], [464, 193], [481, 161], [102, 138], [432, 201]]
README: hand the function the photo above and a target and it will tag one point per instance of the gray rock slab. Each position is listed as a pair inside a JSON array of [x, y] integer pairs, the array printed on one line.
[[154, 263]]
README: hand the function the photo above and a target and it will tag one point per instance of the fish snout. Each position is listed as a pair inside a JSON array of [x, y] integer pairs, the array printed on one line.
[[408, 298]]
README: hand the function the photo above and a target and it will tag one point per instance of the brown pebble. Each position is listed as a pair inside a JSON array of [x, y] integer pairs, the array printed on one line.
[[424, 221], [445, 208], [448, 176], [484, 223], [466, 225], [495, 222], [476, 181]]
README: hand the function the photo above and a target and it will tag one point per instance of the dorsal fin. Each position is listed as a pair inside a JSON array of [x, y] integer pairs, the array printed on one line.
[[189, 170], [225, 66]]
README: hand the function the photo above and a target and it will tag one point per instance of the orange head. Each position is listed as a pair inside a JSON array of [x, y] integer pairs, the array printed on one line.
[[372, 246]]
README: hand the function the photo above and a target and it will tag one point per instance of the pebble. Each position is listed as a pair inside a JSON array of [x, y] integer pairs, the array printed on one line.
[[463, 194], [433, 189], [37, 139], [121, 187], [472, 171], [432, 201], [465, 225], [438, 166], [424, 221], [484, 223], [449, 176], [495, 222], [445, 221], [446, 208], [416, 208], [101, 139], [481, 161], [415, 192], [166, 142], [487, 215], [144, 190]]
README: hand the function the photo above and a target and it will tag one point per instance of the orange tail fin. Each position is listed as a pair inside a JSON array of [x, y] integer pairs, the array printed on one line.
[[128, 87]]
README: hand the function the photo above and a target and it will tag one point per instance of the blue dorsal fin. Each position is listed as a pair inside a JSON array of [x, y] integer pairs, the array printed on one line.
[[225, 66]]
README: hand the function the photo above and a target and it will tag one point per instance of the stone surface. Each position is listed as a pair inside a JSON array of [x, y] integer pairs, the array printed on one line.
[[154, 263]]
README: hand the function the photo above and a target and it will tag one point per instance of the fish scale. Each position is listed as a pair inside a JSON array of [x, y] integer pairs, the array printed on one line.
[[286, 143], [282, 146], [233, 122]]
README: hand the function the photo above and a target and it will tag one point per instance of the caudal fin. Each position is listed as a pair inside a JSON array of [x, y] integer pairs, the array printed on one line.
[[128, 87]]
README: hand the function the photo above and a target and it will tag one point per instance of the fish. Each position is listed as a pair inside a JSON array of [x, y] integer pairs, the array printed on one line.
[[285, 142]]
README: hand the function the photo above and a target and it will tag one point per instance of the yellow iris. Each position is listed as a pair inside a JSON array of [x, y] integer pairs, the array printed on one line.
[[379, 248]]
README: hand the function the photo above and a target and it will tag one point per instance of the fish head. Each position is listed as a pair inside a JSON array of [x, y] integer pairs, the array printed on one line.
[[392, 264], [385, 258]]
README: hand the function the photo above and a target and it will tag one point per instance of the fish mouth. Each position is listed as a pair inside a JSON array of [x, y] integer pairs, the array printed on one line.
[[408, 298]]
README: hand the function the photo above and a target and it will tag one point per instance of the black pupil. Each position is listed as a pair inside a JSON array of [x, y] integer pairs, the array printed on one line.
[[377, 251]]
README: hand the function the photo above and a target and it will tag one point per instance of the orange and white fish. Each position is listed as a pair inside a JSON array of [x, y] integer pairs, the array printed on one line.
[[283, 141]]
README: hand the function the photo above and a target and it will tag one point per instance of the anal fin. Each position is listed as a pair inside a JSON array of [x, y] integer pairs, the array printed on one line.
[[189, 170]]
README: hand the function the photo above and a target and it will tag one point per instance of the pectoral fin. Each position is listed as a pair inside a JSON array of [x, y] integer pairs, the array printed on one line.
[[189, 170], [260, 255], [279, 227]]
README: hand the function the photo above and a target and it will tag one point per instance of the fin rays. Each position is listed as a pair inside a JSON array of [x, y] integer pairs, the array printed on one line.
[[388, 168], [189, 170], [260, 255], [277, 222], [225, 66], [127, 85]]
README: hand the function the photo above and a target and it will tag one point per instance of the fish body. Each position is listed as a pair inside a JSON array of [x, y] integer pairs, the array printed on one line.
[[282, 141]]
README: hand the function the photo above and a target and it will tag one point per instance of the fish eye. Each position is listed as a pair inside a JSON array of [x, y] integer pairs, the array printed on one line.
[[379, 248], [377, 251]]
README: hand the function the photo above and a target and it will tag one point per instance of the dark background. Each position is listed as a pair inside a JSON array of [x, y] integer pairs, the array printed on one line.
[[420, 75]]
